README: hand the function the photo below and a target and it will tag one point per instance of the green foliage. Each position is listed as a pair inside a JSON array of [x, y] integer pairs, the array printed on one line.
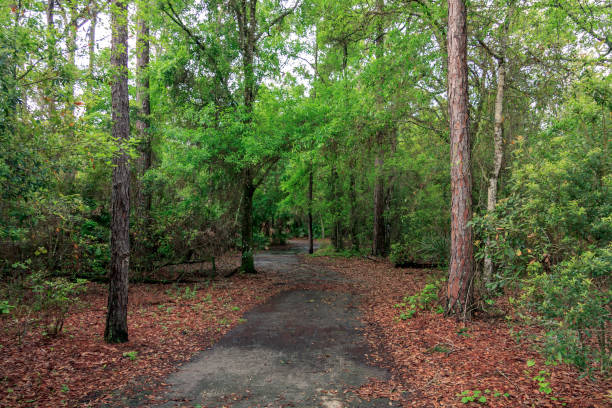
[[542, 379], [429, 250], [559, 200], [573, 304], [132, 355], [53, 299], [5, 307], [423, 300], [479, 396]]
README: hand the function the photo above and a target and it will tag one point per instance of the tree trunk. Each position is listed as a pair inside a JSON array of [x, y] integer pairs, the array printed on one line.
[[310, 235], [51, 28], [93, 20], [143, 198], [497, 161], [247, 25], [322, 227], [461, 274], [497, 139], [336, 234], [378, 240], [353, 204], [116, 320], [310, 175], [248, 189], [378, 244]]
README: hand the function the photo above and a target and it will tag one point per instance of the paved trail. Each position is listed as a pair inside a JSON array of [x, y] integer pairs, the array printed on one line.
[[291, 348]]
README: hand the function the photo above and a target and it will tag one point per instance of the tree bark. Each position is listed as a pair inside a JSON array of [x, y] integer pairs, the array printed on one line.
[[93, 20], [497, 140], [461, 274], [116, 320], [143, 198], [353, 204], [336, 234], [378, 244], [247, 25], [378, 240], [247, 261], [497, 161], [310, 235], [51, 28]]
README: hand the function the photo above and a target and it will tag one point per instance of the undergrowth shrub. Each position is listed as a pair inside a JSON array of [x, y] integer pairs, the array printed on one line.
[[53, 300], [426, 299], [425, 250], [574, 304], [39, 300]]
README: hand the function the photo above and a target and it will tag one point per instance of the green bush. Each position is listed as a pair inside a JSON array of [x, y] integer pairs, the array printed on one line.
[[428, 250], [574, 304], [426, 299], [53, 299]]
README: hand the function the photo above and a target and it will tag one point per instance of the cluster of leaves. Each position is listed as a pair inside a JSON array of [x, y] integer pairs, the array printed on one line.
[[40, 300], [573, 304], [479, 396], [426, 299]]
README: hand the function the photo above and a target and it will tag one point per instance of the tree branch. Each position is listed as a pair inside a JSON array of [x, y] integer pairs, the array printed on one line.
[[278, 19]]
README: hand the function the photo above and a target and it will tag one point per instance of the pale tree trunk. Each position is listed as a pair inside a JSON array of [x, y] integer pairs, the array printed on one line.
[[71, 44], [93, 20], [143, 198], [497, 139], [72, 49], [461, 274], [116, 320], [497, 161], [50, 27], [378, 240]]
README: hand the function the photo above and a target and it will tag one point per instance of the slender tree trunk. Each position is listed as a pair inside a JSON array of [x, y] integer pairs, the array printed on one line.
[[497, 161], [378, 244], [71, 44], [93, 19], [353, 204], [116, 320], [247, 23], [143, 198], [322, 227], [247, 262], [378, 241], [51, 28], [461, 274], [311, 168], [497, 139], [336, 237], [310, 235]]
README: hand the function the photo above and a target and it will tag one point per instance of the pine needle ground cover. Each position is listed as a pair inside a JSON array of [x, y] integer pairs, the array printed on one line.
[[439, 362], [168, 324]]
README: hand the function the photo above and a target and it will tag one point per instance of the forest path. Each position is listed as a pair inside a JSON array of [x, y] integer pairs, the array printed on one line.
[[302, 348]]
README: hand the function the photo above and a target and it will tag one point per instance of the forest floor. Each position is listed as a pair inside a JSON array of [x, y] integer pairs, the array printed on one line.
[[305, 332]]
